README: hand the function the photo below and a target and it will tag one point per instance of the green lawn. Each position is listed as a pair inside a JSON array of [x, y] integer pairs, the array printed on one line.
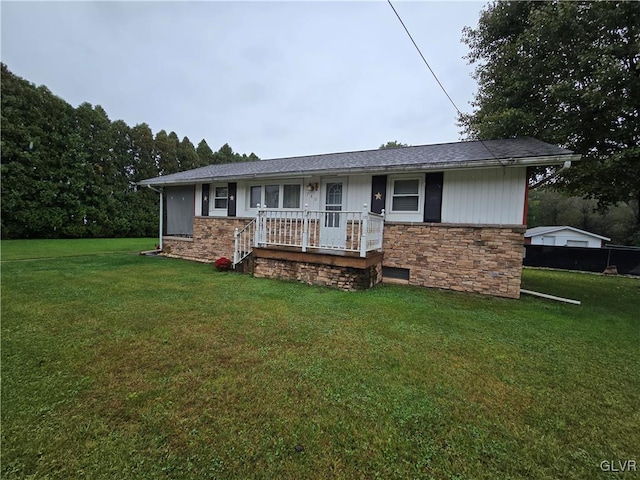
[[116, 365]]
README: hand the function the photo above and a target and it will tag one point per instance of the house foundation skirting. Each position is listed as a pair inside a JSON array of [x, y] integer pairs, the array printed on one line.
[[343, 272], [484, 259], [212, 238]]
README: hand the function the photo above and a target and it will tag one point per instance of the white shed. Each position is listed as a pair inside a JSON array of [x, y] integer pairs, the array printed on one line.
[[563, 236]]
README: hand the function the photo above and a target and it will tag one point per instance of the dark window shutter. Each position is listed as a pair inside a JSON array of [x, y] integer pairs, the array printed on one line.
[[205, 200], [378, 189], [231, 201], [433, 197]]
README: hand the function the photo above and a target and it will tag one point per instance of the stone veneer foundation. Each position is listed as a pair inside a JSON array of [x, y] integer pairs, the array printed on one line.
[[344, 272], [484, 259], [212, 239]]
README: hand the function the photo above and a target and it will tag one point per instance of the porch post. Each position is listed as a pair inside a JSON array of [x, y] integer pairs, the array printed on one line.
[[381, 231], [161, 216], [363, 236], [236, 249], [305, 227], [258, 232]]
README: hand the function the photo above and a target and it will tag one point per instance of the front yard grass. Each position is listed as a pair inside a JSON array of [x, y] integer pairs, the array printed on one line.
[[121, 366]]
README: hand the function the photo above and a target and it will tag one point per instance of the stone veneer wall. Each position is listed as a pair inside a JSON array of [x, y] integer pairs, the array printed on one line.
[[212, 239], [483, 259], [344, 278]]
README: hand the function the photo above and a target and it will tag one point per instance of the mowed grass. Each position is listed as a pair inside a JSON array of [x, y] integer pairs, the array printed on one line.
[[121, 366]]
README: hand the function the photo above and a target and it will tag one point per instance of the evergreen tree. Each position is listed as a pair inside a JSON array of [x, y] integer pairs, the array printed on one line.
[[120, 220], [392, 144], [72, 172], [187, 156], [225, 155], [166, 152], [143, 202], [205, 154], [143, 154], [92, 173], [35, 128]]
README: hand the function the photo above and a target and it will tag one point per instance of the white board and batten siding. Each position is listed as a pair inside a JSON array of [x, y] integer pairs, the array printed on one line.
[[484, 196]]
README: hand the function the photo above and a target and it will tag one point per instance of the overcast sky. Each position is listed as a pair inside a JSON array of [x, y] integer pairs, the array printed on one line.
[[275, 78]]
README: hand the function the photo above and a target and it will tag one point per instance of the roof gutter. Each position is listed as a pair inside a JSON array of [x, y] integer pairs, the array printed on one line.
[[565, 166], [439, 166]]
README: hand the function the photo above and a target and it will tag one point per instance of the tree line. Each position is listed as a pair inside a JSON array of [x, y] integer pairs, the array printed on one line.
[[71, 172], [548, 207]]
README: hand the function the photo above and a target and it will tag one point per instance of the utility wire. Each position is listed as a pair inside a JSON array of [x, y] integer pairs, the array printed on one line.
[[424, 59], [435, 76]]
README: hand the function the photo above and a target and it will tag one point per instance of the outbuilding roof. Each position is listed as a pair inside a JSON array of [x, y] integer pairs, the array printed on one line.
[[444, 156], [546, 230]]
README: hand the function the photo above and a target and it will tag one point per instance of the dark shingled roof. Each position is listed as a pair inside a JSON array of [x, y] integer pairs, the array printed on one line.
[[474, 154]]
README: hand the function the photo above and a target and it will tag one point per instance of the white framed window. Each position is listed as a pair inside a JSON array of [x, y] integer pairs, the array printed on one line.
[[405, 194], [280, 195], [255, 196], [272, 196], [220, 197], [291, 195]]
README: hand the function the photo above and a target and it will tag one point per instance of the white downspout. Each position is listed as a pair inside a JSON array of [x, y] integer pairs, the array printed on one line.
[[566, 166]]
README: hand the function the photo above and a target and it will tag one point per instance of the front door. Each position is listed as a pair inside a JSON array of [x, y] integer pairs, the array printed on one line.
[[333, 227]]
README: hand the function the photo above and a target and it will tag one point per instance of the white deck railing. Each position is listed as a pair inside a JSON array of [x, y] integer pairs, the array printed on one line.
[[243, 242], [347, 231]]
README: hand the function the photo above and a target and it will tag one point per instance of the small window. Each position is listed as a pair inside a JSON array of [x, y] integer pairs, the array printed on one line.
[[255, 197], [220, 195], [405, 195], [291, 196], [272, 196], [577, 243]]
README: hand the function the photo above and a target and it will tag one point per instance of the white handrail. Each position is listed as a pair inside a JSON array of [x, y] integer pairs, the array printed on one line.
[[243, 242]]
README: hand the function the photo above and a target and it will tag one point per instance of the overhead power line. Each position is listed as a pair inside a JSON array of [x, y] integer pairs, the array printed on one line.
[[424, 59], [436, 77]]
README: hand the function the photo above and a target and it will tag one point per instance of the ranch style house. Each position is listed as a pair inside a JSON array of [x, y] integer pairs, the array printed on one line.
[[448, 216]]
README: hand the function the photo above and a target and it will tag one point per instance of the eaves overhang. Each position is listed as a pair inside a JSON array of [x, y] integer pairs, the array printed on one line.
[[548, 160]]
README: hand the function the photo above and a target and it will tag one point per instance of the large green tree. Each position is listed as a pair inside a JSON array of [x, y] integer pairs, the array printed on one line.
[[392, 144], [187, 156], [205, 154], [567, 73], [72, 172], [227, 155], [142, 202], [36, 143]]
